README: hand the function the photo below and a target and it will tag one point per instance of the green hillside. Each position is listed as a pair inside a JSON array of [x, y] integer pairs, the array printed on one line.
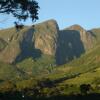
[[10, 72], [87, 64], [36, 66]]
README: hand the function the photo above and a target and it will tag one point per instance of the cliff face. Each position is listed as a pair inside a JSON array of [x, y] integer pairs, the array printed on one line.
[[12, 49], [29, 41], [44, 38], [86, 36], [72, 42]]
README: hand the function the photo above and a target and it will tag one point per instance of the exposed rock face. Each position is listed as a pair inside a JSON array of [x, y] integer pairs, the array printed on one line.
[[12, 50], [86, 37], [72, 42], [10, 53], [29, 41], [3, 44], [69, 46], [46, 37]]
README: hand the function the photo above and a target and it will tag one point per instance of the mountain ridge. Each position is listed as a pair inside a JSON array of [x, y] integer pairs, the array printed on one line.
[[44, 61], [46, 38]]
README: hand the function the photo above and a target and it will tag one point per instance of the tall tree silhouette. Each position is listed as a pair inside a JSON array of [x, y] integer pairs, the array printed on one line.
[[21, 9]]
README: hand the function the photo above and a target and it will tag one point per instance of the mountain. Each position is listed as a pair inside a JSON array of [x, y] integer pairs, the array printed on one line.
[[12, 49], [46, 35], [73, 42], [29, 41], [45, 39], [42, 60], [86, 36]]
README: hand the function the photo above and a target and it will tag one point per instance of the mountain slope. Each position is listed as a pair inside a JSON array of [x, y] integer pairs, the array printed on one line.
[[29, 42], [11, 72], [49, 60], [45, 41], [73, 42], [82, 70]]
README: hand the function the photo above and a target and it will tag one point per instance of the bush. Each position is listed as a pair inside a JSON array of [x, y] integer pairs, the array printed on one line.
[[7, 86], [85, 88]]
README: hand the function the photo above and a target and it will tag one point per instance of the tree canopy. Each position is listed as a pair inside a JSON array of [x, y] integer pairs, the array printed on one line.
[[20, 9]]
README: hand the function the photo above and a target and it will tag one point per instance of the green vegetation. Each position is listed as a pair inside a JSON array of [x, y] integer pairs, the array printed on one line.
[[62, 80], [10, 72], [44, 64]]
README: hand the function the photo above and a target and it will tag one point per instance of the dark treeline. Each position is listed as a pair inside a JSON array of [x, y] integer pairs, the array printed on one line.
[[20, 96]]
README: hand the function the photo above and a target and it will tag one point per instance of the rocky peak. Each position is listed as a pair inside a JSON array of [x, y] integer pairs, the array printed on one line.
[[46, 37], [86, 37], [76, 27]]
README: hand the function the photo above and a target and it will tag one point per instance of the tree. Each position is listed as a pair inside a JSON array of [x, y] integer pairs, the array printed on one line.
[[20, 9], [85, 88], [7, 86]]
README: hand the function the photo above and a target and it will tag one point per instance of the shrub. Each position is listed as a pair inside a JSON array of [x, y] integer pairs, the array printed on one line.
[[85, 88]]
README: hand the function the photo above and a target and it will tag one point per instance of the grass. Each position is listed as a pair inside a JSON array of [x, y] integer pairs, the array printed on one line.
[[10, 72], [35, 66], [86, 78]]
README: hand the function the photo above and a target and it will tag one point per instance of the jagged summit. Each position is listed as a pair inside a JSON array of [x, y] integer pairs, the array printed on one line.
[[50, 22], [76, 27], [85, 36], [45, 39]]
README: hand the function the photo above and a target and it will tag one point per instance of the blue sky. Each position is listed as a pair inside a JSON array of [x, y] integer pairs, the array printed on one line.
[[66, 12]]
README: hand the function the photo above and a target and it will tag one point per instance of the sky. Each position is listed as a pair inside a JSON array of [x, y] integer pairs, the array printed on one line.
[[66, 12]]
